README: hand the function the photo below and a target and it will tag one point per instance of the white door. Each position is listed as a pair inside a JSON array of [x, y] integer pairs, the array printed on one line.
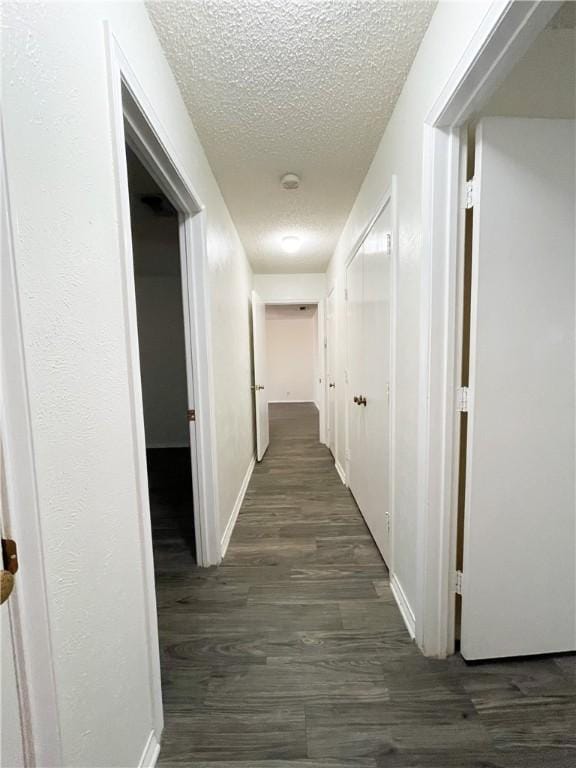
[[376, 389], [519, 580], [356, 475], [331, 373], [259, 386]]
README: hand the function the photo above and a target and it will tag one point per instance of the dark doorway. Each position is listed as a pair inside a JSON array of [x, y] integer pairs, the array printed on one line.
[[161, 343]]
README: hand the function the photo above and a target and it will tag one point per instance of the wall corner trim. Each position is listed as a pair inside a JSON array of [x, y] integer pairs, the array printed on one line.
[[403, 605], [150, 752], [340, 471], [226, 536]]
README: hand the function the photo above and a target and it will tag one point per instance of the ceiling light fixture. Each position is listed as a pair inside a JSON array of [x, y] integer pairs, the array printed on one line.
[[290, 181], [291, 244]]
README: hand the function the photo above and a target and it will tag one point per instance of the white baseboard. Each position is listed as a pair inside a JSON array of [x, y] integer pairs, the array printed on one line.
[[340, 471], [236, 510], [403, 605], [150, 752], [292, 401]]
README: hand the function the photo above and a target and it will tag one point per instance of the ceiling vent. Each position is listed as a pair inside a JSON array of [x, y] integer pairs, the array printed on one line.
[[290, 181]]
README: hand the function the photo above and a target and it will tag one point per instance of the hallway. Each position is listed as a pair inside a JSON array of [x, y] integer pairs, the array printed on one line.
[[293, 654]]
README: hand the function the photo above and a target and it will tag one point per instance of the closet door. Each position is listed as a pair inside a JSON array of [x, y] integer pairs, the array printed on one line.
[[376, 372], [358, 479], [519, 579]]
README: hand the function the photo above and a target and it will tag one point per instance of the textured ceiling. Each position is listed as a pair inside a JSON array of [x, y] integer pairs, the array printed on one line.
[[290, 85]]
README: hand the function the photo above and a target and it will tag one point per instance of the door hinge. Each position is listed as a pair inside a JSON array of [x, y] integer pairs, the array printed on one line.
[[459, 576], [345, 294], [388, 244], [462, 399], [191, 413], [469, 194]]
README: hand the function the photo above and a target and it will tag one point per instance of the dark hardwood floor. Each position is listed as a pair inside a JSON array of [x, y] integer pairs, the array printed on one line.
[[293, 654]]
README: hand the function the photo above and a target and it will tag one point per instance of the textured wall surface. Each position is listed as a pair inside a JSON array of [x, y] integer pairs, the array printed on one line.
[[62, 180], [400, 153], [305, 86]]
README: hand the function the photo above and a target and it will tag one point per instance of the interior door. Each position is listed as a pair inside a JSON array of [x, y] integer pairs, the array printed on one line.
[[356, 474], [376, 388], [519, 582], [259, 385], [331, 373]]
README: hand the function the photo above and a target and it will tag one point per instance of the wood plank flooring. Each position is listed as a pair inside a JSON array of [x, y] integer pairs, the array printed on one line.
[[293, 654]]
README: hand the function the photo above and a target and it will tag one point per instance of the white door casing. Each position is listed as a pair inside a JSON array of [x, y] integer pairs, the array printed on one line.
[[519, 582], [259, 385]]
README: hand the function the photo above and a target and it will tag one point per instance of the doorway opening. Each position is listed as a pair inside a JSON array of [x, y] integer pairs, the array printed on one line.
[[162, 353], [516, 367], [289, 354]]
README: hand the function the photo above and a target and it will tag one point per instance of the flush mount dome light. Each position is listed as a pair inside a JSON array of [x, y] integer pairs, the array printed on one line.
[[291, 244]]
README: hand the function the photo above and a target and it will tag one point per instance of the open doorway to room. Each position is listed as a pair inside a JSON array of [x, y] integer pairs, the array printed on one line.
[[289, 350], [162, 353], [516, 370], [293, 370]]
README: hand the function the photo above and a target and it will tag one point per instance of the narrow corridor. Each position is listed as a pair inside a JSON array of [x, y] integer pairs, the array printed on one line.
[[293, 654]]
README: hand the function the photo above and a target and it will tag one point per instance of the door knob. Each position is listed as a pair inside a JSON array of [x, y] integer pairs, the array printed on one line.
[[332, 386], [6, 585], [10, 564], [356, 399]]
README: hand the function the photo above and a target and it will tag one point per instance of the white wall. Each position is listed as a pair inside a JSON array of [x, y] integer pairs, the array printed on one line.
[[62, 179], [297, 287], [291, 354], [543, 83], [400, 153]]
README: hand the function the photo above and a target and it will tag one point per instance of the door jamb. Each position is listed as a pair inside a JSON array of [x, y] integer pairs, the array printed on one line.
[[506, 32]]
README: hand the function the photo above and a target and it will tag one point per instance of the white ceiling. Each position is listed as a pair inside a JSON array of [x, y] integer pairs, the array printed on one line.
[[290, 85]]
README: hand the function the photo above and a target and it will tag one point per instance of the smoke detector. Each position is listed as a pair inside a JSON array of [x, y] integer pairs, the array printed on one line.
[[290, 181]]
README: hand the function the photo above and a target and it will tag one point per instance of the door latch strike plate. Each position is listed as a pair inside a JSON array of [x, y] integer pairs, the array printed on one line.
[[191, 413]]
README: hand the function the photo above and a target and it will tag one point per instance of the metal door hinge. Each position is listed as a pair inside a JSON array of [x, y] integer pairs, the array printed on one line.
[[469, 194], [459, 576], [345, 294], [388, 244], [191, 413], [462, 399]]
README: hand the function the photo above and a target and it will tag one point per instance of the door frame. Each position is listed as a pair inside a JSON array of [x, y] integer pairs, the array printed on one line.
[[505, 34], [28, 606], [390, 196], [134, 119], [321, 341]]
